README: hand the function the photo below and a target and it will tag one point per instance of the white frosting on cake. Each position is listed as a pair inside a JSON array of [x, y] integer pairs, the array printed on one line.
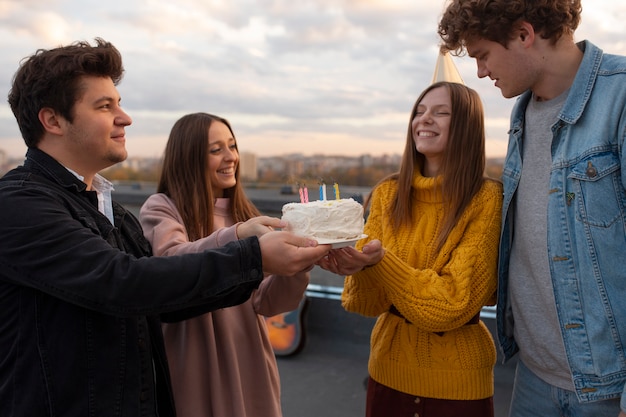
[[328, 219]]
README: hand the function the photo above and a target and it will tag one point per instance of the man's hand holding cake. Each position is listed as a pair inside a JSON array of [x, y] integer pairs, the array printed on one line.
[[301, 252]]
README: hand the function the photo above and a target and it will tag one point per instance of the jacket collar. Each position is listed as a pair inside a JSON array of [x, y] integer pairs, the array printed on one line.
[[579, 94], [39, 162], [581, 88]]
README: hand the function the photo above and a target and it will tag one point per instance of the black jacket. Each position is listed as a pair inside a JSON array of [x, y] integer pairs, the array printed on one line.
[[81, 299]]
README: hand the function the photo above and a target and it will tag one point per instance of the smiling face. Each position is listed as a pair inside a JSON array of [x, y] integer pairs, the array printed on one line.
[[223, 158], [95, 139], [431, 126]]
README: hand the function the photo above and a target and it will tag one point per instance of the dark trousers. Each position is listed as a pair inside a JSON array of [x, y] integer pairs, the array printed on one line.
[[383, 401]]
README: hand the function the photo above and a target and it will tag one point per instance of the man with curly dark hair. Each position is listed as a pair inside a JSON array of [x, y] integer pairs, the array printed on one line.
[[562, 280]]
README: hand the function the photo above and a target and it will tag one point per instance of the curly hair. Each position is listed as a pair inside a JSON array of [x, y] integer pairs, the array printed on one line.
[[51, 78], [495, 20]]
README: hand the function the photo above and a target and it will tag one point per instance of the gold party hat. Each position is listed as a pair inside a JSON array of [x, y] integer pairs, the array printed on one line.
[[445, 70]]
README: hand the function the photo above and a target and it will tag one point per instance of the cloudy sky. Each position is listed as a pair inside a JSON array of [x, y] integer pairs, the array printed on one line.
[[309, 76]]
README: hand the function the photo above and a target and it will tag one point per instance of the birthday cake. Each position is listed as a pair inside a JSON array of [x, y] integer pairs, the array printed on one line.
[[326, 219]]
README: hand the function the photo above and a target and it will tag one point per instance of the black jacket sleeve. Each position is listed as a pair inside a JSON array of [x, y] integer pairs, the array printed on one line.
[[53, 242]]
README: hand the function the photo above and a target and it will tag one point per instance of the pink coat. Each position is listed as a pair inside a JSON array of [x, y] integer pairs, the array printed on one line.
[[221, 363]]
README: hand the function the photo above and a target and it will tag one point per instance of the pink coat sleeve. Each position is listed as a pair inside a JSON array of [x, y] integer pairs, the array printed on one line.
[[163, 227]]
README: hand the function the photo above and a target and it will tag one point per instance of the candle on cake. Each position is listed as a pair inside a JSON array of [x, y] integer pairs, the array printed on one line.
[[322, 191], [301, 193]]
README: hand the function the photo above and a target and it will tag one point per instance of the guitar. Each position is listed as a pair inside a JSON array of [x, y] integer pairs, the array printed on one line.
[[286, 330]]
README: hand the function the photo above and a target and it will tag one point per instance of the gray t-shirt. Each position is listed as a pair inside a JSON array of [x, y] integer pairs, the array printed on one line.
[[537, 329]]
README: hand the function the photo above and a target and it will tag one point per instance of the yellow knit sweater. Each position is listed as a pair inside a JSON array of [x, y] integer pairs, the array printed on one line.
[[435, 292]]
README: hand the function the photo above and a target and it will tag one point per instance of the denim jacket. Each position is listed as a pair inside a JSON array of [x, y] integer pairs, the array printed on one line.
[[80, 299], [586, 230]]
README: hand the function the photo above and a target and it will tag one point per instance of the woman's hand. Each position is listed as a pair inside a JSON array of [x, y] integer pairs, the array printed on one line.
[[347, 260], [258, 226]]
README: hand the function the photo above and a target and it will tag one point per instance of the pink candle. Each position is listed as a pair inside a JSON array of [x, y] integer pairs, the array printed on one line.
[[306, 194], [301, 194]]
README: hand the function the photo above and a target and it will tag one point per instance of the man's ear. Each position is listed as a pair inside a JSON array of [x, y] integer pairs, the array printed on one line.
[[51, 121], [526, 33]]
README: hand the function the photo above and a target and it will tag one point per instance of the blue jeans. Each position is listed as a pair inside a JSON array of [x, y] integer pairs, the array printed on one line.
[[532, 397]]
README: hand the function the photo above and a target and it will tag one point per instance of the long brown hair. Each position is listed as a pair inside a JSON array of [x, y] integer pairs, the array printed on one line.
[[463, 163], [185, 180]]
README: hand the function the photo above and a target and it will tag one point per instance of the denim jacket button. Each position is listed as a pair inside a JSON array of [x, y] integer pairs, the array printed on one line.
[[591, 170]]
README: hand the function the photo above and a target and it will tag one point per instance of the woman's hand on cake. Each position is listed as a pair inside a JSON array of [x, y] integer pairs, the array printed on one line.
[[347, 260], [285, 253], [258, 226]]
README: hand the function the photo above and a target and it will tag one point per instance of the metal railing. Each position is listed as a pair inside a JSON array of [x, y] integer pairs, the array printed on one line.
[[334, 293]]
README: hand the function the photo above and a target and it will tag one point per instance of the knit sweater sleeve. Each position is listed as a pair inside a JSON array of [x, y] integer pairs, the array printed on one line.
[[447, 291], [363, 293]]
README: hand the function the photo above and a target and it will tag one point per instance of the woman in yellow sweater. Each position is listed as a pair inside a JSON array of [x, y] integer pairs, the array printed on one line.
[[428, 266]]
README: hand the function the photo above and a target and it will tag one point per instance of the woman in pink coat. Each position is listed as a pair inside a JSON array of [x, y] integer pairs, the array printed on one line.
[[221, 363]]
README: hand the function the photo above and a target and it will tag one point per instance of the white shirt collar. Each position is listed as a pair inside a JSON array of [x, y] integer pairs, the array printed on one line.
[[103, 189]]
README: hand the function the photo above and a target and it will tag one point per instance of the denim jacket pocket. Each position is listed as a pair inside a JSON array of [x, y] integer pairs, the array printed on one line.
[[597, 189]]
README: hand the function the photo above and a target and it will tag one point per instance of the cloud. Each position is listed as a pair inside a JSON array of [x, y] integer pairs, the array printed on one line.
[[313, 74]]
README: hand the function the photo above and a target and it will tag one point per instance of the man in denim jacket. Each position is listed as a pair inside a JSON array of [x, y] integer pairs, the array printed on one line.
[[562, 272], [81, 299]]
